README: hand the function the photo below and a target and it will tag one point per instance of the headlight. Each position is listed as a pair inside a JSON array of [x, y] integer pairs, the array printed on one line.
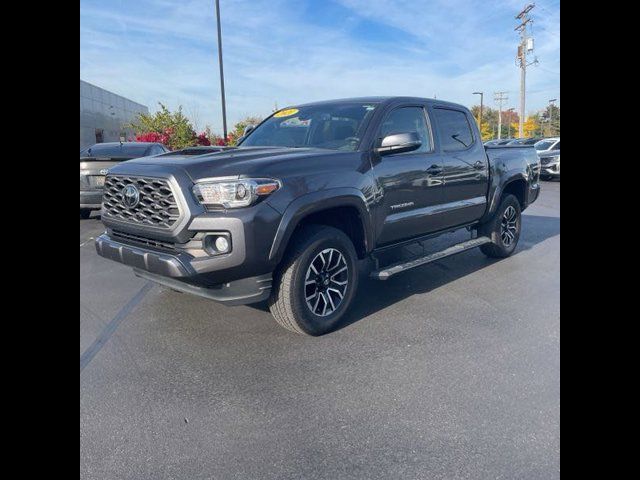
[[233, 193]]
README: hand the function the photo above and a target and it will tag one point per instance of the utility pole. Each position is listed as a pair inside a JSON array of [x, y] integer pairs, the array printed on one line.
[[224, 107], [481, 98], [500, 97], [551, 105], [525, 46]]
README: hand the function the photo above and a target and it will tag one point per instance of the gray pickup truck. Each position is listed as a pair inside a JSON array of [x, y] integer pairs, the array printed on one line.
[[287, 215]]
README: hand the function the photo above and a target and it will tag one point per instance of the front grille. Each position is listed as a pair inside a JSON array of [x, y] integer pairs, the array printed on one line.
[[157, 206], [138, 239], [546, 160]]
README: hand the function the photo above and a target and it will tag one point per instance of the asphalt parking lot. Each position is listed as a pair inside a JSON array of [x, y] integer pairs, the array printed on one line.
[[451, 370]]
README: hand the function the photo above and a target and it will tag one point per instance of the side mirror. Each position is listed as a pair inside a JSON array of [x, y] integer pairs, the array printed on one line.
[[248, 129], [399, 143]]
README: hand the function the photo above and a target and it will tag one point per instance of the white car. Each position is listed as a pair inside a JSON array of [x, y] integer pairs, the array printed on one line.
[[549, 152], [547, 144]]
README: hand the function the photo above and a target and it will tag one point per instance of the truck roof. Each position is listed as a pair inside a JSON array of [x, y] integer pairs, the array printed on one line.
[[382, 100]]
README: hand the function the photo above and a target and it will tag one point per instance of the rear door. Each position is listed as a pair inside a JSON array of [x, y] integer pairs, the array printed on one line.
[[465, 164]]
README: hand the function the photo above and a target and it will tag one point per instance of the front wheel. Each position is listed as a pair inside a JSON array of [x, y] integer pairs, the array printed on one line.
[[503, 229], [317, 281]]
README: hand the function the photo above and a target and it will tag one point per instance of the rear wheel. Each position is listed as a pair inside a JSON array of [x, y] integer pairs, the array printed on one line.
[[85, 213], [503, 229], [317, 281]]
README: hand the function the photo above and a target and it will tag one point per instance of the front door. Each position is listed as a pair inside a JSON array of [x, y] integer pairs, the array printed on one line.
[[409, 182]]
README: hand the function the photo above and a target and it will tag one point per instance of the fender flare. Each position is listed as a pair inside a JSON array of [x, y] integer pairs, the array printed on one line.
[[314, 202], [496, 195]]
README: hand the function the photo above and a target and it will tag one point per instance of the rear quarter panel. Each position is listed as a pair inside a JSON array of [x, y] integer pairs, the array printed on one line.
[[509, 163]]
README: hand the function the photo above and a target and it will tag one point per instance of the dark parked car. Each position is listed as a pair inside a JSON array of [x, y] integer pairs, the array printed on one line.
[[524, 141], [96, 160], [495, 142], [314, 188]]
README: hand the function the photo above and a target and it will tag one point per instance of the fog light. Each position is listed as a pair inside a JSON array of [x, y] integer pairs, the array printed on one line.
[[222, 244], [216, 243]]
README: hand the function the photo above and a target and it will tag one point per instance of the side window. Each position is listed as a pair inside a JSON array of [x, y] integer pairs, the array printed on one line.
[[557, 147], [454, 128], [405, 120]]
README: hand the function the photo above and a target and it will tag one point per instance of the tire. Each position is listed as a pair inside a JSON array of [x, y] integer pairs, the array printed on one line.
[[85, 213], [503, 229], [292, 303]]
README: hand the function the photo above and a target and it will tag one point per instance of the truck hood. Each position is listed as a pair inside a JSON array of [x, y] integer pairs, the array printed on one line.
[[237, 161]]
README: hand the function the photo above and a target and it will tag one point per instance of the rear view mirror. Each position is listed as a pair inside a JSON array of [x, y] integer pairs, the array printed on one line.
[[399, 143]]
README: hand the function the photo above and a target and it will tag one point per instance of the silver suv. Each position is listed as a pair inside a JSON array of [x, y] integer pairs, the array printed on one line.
[[96, 160]]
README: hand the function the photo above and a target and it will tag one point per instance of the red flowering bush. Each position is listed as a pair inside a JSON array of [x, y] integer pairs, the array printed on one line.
[[203, 139], [174, 130]]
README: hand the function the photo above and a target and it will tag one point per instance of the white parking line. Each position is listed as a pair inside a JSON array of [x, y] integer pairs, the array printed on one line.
[[87, 241]]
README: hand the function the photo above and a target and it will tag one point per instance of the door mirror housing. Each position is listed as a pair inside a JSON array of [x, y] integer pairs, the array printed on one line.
[[248, 129], [399, 143]]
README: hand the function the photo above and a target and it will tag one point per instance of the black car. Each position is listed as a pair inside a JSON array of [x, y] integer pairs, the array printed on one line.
[[97, 159], [498, 141], [524, 141]]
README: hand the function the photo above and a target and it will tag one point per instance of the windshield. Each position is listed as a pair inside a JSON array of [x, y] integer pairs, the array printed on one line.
[[335, 126], [544, 144], [103, 150]]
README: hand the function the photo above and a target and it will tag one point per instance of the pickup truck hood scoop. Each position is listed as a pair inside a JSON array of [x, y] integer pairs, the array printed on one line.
[[236, 161]]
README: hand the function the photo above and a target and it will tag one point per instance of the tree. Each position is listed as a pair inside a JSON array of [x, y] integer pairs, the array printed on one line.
[[486, 132], [238, 128], [173, 129], [551, 121], [490, 116], [531, 127]]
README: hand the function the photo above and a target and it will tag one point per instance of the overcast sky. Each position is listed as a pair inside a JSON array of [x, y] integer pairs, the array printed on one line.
[[294, 51]]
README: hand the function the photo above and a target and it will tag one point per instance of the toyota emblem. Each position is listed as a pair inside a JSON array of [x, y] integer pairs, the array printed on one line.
[[130, 196]]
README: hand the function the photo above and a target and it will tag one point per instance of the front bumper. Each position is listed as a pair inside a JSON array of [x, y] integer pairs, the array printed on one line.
[[551, 170], [239, 292], [91, 199], [176, 270], [180, 256], [152, 261]]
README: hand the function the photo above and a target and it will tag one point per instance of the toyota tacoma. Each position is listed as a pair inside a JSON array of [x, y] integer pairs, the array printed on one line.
[[287, 215]]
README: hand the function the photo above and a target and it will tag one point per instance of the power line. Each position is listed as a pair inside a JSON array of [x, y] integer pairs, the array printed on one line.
[[548, 71]]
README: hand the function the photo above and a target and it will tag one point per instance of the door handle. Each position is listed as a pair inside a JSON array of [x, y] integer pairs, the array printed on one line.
[[478, 165], [434, 170]]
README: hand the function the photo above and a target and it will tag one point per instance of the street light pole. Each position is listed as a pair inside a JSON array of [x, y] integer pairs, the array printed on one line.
[[481, 101], [224, 108]]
